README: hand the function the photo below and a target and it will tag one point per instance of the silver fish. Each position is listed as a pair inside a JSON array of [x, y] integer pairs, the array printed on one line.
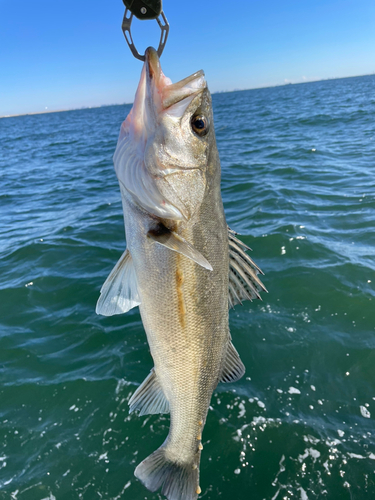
[[182, 267]]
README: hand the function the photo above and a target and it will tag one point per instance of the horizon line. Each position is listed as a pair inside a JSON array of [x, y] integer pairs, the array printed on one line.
[[32, 113]]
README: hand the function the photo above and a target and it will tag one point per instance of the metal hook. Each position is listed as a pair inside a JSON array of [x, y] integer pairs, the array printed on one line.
[[126, 28]]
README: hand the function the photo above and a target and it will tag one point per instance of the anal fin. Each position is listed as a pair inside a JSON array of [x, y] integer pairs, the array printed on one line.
[[233, 368], [149, 397]]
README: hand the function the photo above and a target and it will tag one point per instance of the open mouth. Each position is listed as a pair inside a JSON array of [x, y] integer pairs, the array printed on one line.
[[172, 93]]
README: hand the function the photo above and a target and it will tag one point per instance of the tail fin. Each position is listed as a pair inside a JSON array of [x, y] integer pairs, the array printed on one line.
[[178, 482]]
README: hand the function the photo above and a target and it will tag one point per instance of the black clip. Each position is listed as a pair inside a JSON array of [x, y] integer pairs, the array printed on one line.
[[144, 9], [126, 28]]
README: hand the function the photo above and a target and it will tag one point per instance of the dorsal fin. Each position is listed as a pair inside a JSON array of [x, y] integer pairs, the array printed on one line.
[[244, 283], [233, 368], [119, 292]]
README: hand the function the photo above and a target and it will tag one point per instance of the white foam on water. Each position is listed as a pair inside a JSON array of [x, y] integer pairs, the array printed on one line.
[[242, 411], [120, 495], [355, 455], [294, 390], [303, 493], [364, 412], [281, 469], [315, 454], [120, 384], [311, 439]]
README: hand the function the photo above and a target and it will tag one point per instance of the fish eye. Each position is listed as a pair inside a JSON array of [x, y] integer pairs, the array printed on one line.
[[200, 125]]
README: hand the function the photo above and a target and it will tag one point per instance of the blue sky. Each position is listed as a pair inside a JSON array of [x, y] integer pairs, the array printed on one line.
[[63, 55]]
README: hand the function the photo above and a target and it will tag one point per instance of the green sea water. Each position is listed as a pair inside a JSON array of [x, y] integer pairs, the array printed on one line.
[[298, 183]]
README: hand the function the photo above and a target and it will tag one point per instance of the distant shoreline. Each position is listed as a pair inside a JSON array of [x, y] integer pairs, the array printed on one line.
[[217, 92], [32, 113], [36, 113]]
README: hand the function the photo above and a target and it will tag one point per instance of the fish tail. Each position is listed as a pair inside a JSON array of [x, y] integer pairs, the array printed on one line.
[[178, 481]]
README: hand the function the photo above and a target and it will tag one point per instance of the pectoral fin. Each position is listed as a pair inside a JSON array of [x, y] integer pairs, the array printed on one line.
[[233, 368], [177, 243], [244, 283], [119, 292], [149, 397]]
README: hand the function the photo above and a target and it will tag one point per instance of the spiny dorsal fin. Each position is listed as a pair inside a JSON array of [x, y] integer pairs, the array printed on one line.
[[233, 368], [149, 397], [177, 243], [244, 283], [119, 292]]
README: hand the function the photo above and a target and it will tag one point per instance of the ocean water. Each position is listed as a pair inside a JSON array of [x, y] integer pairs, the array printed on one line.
[[298, 183]]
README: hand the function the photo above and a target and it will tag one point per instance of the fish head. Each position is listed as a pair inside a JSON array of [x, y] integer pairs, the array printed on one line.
[[163, 151]]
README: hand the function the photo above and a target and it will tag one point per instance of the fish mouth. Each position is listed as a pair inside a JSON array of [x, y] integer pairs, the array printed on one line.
[[153, 67], [170, 93]]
